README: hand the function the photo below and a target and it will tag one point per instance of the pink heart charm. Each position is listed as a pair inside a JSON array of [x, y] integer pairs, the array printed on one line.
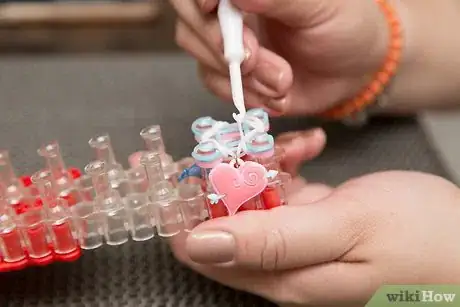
[[238, 185]]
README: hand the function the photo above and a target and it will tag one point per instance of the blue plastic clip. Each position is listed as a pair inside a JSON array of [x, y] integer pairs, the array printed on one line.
[[192, 171]]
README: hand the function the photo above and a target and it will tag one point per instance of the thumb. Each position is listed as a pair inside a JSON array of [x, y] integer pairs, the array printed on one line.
[[295, 13], [283, 238]]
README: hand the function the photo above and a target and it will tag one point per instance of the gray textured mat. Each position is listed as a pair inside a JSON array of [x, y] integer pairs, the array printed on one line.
[[442, 129], [72, 98]]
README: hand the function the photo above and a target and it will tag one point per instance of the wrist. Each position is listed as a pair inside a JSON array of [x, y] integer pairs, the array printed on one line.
[[383, 59], [429, 72]]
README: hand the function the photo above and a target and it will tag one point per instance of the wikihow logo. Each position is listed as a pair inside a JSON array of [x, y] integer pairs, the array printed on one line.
[[436, 296]]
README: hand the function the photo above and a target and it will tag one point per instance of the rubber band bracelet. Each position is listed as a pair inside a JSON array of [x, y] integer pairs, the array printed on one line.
[[381, 78]]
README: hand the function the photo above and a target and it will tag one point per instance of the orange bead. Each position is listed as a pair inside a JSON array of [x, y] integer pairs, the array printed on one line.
[[396, 44], [368, 95], [390, 66], [393, 55], [383, 78], [376, 87]]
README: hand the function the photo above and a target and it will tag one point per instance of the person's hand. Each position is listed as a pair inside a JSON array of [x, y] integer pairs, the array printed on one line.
[[336, 247], [303, 56]]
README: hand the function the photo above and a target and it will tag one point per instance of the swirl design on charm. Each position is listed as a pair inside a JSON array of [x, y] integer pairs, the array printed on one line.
[[251, 177]]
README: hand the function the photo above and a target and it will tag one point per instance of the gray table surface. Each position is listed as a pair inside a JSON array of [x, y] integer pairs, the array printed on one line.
[[71, 98], [442, 128]]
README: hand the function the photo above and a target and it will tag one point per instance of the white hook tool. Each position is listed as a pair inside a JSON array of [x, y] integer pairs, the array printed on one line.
[[231, 24]]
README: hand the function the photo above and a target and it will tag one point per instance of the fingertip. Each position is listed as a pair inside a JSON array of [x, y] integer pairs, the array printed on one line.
[[278, 106], [272, 78], [287, 138], [320, 137], [272, 75], [312, 142], [301, 146], [251, 44]]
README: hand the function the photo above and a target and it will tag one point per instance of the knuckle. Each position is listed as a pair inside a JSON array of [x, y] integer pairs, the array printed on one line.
[[273, 253]]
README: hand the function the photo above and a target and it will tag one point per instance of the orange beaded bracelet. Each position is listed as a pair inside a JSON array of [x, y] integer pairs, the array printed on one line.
[[382, 78]]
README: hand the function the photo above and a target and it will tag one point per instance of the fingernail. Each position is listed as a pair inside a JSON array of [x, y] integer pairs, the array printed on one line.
[[311, 132], [314, 133], [247, 54], [268, 75], [211, 247], [299, 138], [278, 105]]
